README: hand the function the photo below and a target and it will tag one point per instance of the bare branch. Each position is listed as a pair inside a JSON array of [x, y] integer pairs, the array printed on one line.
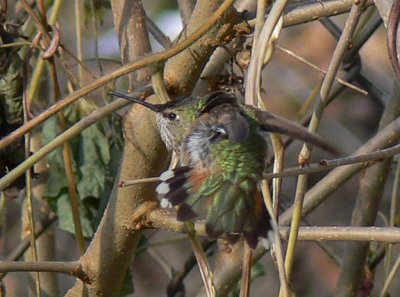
[[70, 268], [321, 191], [372, 184], [131, 27]]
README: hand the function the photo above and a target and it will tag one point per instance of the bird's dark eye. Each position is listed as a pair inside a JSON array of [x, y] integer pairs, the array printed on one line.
[[171, 116]]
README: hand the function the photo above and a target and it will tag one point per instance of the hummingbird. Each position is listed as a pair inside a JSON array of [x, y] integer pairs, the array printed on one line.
[[173, 118], [223, 150]]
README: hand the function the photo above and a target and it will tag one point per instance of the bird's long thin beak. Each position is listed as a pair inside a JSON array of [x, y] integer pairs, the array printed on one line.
[[153, 107]]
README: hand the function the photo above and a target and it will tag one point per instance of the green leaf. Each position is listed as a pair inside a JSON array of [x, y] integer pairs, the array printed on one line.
[[90, 164], [93, 156], [65, 219], [11, 90]]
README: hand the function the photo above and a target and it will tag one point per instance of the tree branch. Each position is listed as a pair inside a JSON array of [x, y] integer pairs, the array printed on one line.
[[160, 218], [70, 268], [372, 184]]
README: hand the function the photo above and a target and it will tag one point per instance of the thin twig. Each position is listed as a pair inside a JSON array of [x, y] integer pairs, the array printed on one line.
[[162, 218], [59, 140], [246, 271], [317, 10], [308, 12], [21, 248], [378, 234], [330, 183], [276, 241], [341, 47], [390, 278], [176, 282], [308, 63], [40, 63], [329, 164], [78, 36], [28, 172], [326, 87], [204, 266], [392, 218], [128, 183], [158, 34], [70, 268], [95, 36], [256, 64], [67, 154], [368, 159], [73, 195], [266, 35], [18, 44]]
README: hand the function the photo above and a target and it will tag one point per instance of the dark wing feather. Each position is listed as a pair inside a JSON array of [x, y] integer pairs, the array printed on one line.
[[277, 124], [180, 187], [217, 99], [236, 126], [238, 209]]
